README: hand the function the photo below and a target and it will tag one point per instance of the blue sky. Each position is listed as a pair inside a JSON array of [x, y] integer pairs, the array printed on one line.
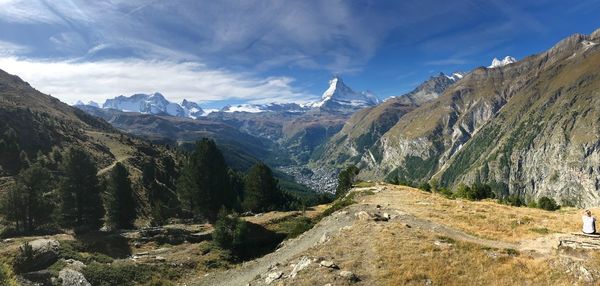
[[219, 52]]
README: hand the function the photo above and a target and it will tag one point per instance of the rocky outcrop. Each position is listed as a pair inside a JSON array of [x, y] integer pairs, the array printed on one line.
[[529, 128], [37, 255], [70, 277]]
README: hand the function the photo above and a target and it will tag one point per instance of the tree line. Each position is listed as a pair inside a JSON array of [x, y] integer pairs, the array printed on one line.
[[63, 189]]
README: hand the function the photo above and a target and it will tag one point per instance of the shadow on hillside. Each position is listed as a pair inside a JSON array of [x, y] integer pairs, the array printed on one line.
[[107, 243], [260, 242]]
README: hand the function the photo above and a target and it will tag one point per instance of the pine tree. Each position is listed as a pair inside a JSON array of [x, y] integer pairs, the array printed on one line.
[[261, 190], [10, 151], [80, 197], [25, 204], [204, 185], [345, 180], [120, 202]]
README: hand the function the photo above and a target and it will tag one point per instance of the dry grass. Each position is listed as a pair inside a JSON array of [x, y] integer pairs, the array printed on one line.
[[486, 219], [413, 258]]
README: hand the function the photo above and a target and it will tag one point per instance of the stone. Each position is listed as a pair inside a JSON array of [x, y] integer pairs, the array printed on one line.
[[160, 258], [303, 263], [324, 238], [363, 215], [387, 216], [37, 255], [273, 276], [71, 277], [74, 264], [328, 264], [348, 275]]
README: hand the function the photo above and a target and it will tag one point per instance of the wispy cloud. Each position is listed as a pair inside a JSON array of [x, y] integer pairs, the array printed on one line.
[[10, 49], [71, 81]]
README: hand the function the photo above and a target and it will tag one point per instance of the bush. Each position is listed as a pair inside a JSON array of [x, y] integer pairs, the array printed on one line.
[[7, 277], [230, 231], [548, 204], [475, 192], [513, 200], [425, 187], [446, 193]]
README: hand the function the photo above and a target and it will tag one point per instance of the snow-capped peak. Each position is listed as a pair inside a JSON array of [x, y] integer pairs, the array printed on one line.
[[90, 103], [191, 109], [339, 95], [455, 76], [500, 63]]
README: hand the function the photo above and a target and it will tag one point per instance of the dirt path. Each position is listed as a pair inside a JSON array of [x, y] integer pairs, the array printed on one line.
[[109, 167], [331, 226], [249, 270]]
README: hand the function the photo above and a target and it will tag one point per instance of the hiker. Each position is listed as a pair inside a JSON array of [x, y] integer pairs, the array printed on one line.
[[589, 222]]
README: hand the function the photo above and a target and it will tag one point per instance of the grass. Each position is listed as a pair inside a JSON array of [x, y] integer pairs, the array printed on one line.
[[364, 184], [486, 219]]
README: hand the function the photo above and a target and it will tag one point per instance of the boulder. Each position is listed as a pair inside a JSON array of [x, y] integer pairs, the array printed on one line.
[[37, 255], [303, 263], [328, 264], [70, 277], [348, 275], [363, 215], [273, 276], [74, 264]]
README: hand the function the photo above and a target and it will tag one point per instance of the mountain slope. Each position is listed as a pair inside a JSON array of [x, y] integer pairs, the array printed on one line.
[[366, 126], [530, 127]]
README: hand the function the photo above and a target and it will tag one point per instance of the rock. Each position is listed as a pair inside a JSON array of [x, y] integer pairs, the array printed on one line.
[[585, 274], [303, 263], [387, 216], [37, 255], [324, 238], [160, 258], [71, 277], [348, 275], [273, 276], [328, 264], [328, 284], [363, 215], [74, 264]]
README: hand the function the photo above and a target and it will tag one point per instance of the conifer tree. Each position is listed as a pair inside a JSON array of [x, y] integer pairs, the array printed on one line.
[[345, 180], [261, 190], [204, 185], [80, 198], [120, 201]]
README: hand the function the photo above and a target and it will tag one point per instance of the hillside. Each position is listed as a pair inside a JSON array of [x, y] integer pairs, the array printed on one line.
[[429, 240], [529, 128]]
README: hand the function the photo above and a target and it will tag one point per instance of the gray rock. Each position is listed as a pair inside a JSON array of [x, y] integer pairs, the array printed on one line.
[[70, 277], [303, 263], [273, 276], [328, 264], [75, 264], [348, 275], [37, 255]]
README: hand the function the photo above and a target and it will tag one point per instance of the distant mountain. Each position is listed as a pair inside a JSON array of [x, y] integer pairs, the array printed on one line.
[[367, 126], [500, 63], [191, 109], [145, 103], [340, 96], [270, 107]]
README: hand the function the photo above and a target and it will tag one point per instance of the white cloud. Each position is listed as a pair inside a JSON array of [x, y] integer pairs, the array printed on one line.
[[71, 81], [10, 49]]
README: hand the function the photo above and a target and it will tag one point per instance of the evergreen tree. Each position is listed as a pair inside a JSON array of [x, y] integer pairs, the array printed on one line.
[[261, 190], [204, 185], [230, 231], [345, 180], [80, 198], [25, 204], [121, 202], [10, 151]]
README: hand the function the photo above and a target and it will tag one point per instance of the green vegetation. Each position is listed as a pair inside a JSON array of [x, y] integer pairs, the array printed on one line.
[[345, 180], [475, 192], [28, 203], [548, 204], [120, 202], [230, 231], [80, 201], [261, 190], [7, 277], [296, 226], [127, 273], [204, 183]]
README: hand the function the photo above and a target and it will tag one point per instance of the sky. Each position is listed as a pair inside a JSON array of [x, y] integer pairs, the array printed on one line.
[[230, 52]]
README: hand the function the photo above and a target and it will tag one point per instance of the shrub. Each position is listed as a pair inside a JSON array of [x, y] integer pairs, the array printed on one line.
[[548, 204], [7, 277], [425, 187], [296, 226], [230, 232], [446, 193]]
